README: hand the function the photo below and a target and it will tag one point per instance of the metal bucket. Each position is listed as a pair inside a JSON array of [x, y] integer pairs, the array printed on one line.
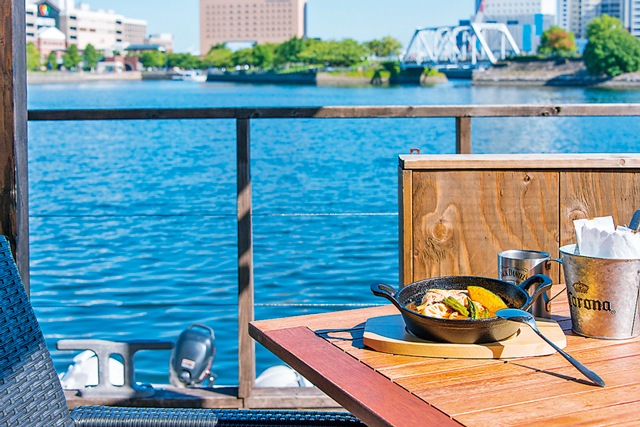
[[603, 295]]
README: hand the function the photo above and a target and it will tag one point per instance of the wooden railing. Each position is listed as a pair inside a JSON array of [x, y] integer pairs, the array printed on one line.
[[243, 116]]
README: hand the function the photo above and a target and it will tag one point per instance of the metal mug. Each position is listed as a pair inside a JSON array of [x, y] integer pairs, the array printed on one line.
[[516, 266]]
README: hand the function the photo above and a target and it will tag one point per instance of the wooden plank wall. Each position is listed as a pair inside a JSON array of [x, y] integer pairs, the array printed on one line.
[[14, 212], [455, 220]]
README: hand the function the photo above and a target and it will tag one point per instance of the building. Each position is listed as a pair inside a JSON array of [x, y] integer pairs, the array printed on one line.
[[38, 15], [165, 40], [570, 15], [50, 39], [632, 16], [575, 15], [105, 30], [261, 21], [83, 26], [525, 19], [134, 31]]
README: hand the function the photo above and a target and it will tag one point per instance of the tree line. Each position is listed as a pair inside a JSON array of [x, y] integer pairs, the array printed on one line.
[[611, 49], [293, 51], [265, 56], [70, 60]]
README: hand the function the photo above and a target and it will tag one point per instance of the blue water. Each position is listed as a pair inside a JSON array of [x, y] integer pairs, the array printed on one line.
[[132, 223]]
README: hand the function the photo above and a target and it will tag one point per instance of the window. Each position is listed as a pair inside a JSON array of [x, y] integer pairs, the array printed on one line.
[[72, 37]]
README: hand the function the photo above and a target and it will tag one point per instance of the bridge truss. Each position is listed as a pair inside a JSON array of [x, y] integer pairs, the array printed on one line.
[[478, 41]]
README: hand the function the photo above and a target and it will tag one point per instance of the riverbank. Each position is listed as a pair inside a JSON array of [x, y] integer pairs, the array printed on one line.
[[319, 79], [563, 72], [81, 76]]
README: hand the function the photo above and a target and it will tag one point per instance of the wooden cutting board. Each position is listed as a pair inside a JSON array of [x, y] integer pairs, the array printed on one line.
[[387, 334]]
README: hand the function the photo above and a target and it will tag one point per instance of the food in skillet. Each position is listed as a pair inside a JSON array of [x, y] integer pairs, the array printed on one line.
[[474, 303]]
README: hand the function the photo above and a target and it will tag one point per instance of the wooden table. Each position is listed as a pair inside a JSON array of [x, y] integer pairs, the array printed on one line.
[[384, 389]]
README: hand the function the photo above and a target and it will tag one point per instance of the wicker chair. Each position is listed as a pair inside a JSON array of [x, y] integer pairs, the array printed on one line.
[[31, 394]]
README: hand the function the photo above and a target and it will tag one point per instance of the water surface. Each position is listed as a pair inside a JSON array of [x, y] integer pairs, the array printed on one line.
[[132, 223]]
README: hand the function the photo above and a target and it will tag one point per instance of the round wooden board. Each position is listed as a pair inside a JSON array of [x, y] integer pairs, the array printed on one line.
[[387, 334]]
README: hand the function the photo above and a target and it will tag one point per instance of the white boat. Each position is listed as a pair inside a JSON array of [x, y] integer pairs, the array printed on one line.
[[190, 76]]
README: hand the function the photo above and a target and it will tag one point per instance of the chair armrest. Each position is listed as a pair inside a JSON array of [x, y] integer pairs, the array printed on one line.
[[94, 416]]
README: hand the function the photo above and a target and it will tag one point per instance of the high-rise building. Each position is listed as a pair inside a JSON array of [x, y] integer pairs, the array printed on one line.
[[631, 13], [525, 19], [260, 21], [575, 15]]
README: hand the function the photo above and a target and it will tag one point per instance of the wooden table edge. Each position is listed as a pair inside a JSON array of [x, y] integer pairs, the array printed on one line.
[[322, 363]]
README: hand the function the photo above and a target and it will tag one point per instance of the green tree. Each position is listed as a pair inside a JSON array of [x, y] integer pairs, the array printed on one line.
[[557, 42], [52, 61], [611, 49], [386, 47], [183, 60], [218, 56], [33, 57], [289, 51], [243, 57], [262, 55], [152, 59], [343, 53], [91, 57], [71, 58]]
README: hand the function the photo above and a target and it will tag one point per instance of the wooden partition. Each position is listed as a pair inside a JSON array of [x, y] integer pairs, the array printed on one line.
[[458, 211]]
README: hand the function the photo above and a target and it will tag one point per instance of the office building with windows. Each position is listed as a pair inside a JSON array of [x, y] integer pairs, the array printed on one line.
[[525, 19], [260, 21]]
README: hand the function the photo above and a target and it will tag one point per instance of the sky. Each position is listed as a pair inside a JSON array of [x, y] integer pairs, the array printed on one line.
[[362, 20]]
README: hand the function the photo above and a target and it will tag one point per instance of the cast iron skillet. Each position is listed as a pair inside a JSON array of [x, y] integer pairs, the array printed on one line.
[[462, 331]]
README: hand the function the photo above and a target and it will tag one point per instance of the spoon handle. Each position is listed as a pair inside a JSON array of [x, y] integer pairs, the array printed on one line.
[[579, 366]]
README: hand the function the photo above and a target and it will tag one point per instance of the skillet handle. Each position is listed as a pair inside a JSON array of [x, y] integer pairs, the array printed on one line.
[[385, 291], [543, 283]]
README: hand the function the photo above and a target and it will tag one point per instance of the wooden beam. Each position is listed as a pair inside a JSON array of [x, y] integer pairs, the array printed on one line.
[[14, 212], [343, 112], [463, 135], [246, 345], [520, 161]]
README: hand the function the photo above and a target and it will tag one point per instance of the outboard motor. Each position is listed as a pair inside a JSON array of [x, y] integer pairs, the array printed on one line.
[[192, 357]]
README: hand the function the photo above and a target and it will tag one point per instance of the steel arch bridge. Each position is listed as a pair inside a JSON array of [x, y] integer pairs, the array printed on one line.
[[478, 41]]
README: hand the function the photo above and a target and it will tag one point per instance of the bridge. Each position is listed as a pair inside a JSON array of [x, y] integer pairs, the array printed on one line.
[[458, 47]]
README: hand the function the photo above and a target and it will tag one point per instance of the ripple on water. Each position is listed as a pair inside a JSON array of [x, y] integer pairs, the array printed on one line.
[[132, 226]]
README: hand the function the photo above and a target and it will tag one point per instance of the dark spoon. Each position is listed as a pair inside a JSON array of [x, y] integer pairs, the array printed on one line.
[[525, 317]]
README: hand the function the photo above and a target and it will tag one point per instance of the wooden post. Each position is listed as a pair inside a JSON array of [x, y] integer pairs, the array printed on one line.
[[14, 206], [463, 135], [246, 345]]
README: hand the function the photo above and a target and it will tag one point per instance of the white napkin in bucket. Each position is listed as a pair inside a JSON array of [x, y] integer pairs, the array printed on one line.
[[598, 238]]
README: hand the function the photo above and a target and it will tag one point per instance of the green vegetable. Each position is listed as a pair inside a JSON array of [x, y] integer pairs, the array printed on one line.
[[473, 310], [451, 302]]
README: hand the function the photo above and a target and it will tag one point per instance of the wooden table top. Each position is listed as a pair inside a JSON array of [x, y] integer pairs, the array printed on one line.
[[384, 389]]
